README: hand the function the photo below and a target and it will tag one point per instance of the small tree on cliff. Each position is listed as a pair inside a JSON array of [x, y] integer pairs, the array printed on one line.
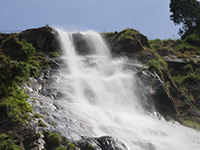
[[186, 13]]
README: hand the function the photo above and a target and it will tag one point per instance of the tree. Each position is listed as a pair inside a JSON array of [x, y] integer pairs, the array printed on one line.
[[187, 14]]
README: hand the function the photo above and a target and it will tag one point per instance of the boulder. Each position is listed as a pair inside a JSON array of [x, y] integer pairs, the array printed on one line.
[[43, 39]]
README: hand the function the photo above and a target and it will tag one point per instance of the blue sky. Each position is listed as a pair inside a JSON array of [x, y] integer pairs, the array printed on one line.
[[150, 17]]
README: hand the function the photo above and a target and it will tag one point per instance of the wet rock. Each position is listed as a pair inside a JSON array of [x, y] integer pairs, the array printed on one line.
[[101, 143], [127, 41], [80, 43], [153, 93]]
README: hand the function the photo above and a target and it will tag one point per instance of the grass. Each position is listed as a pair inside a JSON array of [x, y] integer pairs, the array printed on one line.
[[9, 142], [157, 65], [191, 123], [62, 148], [127, 35]]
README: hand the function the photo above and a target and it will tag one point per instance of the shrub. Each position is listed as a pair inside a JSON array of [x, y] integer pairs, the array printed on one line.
[[71, 146], [187, 79], [52, 139], [16, 72], [8, 142], [156, 65], [193, 39], [18, 50], [15, 104], [188, 68], [183, 46]]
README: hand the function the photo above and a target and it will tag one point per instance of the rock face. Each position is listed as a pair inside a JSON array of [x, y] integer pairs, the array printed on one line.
[[163, 93], [43, 39], [101, 143], [80, 43], [128, 43], [154, 94]]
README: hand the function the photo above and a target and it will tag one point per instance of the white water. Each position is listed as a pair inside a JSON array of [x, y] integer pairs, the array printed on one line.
[[99, 93]]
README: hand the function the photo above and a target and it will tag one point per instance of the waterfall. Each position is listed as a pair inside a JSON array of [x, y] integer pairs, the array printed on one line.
[[99, 99]]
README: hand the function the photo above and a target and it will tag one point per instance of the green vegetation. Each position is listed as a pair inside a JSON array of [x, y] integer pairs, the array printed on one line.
[[36, 115], [86, 146], [62, 148], [15, 105], [15, 68], [18, 50], [156, 65], [128, 34], [71, 146], [41, 123], [186, 13], [52, 139], [192, 124], [9, 142]]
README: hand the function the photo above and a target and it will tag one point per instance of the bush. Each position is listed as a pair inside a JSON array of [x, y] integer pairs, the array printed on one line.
[[52, 139], [187, 79], [18, 50], [71, 146], [15, 104], [188, 68], [8, 142], [193, 39], [61, 148]]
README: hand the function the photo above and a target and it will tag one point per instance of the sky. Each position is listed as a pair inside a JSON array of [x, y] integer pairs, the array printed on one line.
[[150, 17]]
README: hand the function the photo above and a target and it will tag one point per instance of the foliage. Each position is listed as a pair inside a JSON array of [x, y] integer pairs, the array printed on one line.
[[61, 148], [187, 79], [14, 72], [193, 39], [184, 46], [15, 68], [9, 142], [192, 124], [188, 68], [52, 139], [36, 115], [41, 123], [15, 104], [86, 146], [127, 34], [71, 146], [18, 50], [187, 13], [157, 66]]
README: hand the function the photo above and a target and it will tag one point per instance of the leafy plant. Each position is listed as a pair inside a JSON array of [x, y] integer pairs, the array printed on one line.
[[186, 13], [18, 50], [15, 104], [52, 139], [9, 142]]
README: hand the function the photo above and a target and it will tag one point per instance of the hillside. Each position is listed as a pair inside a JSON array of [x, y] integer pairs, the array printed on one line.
[[26, 56]]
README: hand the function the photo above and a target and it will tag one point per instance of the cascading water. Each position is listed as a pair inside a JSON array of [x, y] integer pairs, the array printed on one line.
[[98, 99]]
